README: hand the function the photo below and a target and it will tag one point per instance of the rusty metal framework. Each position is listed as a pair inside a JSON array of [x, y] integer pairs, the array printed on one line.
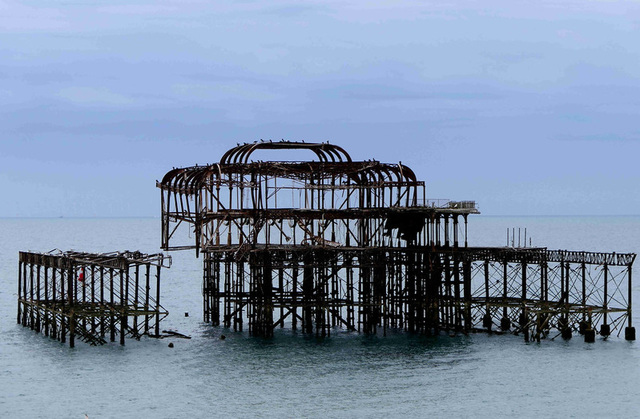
[[331, 242], [90, 296]]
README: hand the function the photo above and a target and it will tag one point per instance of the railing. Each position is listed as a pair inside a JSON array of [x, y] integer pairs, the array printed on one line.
[[448, 204], [463, 204]]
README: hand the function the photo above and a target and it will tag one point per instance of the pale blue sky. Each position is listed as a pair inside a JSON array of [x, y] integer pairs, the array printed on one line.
[[527, 107]]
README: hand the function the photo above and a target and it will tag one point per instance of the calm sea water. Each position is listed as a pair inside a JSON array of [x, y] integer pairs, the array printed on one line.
[[347, 375]]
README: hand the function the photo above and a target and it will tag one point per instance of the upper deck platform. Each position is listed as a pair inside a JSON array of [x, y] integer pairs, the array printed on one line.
[[329, 197]]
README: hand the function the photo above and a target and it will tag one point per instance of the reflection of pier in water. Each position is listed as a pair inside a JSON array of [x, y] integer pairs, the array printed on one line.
[[91, 296], [338, 243]]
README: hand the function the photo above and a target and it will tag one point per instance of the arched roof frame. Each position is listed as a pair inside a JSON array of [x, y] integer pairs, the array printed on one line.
[[326, 152]]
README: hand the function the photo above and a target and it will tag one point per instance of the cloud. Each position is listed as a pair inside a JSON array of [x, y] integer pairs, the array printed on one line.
[[91, 96], [423, 91], [234, 91], [18, 18], [139, 9], [294, 10]]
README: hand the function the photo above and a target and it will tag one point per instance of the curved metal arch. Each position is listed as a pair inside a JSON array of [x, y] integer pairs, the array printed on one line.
[[191, 179], [187, 180], [407, 173], [170, 175], [339, 152], [375, 174], [232, 153], [285, 146], [181, 181], [381, 173], [389, 171], [198, 180], [326, 152]]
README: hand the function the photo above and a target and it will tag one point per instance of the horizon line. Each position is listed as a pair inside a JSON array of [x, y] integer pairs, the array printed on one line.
[[158, 216]]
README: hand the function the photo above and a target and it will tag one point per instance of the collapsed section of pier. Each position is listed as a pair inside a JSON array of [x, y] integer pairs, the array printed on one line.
[[331, 242], [89, 296]]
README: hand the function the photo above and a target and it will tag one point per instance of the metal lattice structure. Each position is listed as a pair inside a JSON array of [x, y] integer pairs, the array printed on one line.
[[331, 242], [91, 296]]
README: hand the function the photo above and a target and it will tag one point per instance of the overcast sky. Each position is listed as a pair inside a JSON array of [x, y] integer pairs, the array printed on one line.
[[527, 107]]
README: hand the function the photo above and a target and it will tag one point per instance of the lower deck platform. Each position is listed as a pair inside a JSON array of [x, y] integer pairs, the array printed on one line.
[[535, 291]]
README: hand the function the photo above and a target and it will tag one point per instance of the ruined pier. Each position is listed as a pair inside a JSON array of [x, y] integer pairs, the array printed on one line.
[[92, 297], [329, 242]]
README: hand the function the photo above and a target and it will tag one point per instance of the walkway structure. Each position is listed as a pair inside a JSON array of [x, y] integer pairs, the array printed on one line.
[[330, 242], [93, 297]]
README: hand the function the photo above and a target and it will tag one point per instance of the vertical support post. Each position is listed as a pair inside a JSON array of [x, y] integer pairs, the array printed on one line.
[[24, 293], [54, 299], [486, 321], [102, 325], [136, 301], [434, 278], [93, 296], [455, 231], [320, 292], [84, 294], [157, 306], [227, 292], [267, 293], [112, 325], [31, 285], [629, 331], [447, 293], [605, 328], [20, 299], [146, 296], [563, 293], [411, 291], [238, 287], [350, 292], [379, 278], [466, 243], [123, 307], [505, 322], [72, 303], [584, 289], [206, 287], [391, 297], [281, 290], [334, 285], [294, 291], [63, 298], [216, 267], [38, 304], [566, 276], [446, 230], [544, 281], [456, 290], [46, 300], [629, 297], [72, 329], [466, 275], [524, 282], [307, 291]]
